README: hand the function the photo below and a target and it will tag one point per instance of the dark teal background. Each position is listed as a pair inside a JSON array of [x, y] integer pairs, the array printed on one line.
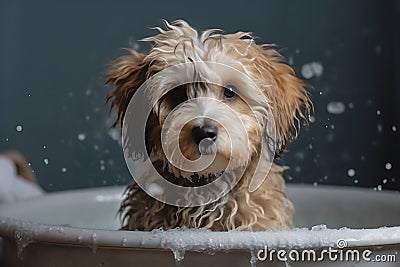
[[53, 56]]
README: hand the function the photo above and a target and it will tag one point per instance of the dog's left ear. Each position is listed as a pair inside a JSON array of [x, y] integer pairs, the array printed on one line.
[[126, 74], [287, 94]]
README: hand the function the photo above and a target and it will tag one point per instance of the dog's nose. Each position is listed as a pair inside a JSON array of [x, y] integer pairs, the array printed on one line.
[[202, 132]]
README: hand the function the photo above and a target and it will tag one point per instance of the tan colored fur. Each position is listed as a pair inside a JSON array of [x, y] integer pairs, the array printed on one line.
[[267, 207]]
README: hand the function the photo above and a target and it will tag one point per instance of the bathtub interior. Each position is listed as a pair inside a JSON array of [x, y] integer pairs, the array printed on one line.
[[70, 222], [335, 207]]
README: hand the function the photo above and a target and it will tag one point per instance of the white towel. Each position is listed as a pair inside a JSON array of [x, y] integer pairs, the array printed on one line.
[[14, 187]]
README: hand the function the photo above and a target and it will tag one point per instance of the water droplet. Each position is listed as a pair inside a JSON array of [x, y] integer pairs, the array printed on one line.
[[356, 181], [253, 258], [287, 264], [179, 255], [351, 172], [378, 49], [319, 227], [384, 181], [115, 134], [318, 68], [155, 189], [312, 69], [394, 128], [64, 170], [312, 119], [335, 107], [19, 128], [379, 187], [300, 155], [388, 166], [297, 169], [23, 239], [46, 161], [133, 43], [291, 61], [378, 112], [81, 136], [94, 242], [79, 238], [124, 240]]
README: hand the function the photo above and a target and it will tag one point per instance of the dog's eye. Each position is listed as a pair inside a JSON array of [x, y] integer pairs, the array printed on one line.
[[230, 92], [174, 97], [179, 94]]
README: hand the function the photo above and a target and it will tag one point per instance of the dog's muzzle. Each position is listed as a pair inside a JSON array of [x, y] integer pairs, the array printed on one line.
[[207, 131], [205, 135]]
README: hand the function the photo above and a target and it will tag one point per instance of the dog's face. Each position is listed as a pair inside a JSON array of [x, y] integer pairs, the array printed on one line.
[[209, 120], [219, 113]]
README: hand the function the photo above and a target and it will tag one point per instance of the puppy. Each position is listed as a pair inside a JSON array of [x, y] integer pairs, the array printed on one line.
[[231, 115]]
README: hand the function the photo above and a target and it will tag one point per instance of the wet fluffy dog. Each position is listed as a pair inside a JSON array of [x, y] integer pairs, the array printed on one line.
[[287, 100]]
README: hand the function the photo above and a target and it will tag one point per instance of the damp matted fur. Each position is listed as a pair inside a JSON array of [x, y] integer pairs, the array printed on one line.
[[268, 206]]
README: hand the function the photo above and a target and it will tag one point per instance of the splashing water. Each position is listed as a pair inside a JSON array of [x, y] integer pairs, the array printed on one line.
[[81, 137], [94, 242], [351, 172], [179, 241], [22, 241], [79, 238], [312, 69], [155, 189], [124, 241], [335, 107], [179, 255], [253, 258], [388, 166], [24, 236]]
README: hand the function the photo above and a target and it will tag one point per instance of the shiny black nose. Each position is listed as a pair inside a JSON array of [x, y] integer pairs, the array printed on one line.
[[202, 132]]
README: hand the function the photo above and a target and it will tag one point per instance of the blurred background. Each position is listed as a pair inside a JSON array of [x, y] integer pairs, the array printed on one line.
[[53, 56]]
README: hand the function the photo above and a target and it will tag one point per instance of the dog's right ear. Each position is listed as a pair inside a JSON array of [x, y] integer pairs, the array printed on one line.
[[126, 74]]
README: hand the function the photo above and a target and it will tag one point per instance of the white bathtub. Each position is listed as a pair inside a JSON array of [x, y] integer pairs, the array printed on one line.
[[79, 228]]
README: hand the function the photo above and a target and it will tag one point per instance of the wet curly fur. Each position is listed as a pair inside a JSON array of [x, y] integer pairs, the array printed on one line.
[[267, 208]]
